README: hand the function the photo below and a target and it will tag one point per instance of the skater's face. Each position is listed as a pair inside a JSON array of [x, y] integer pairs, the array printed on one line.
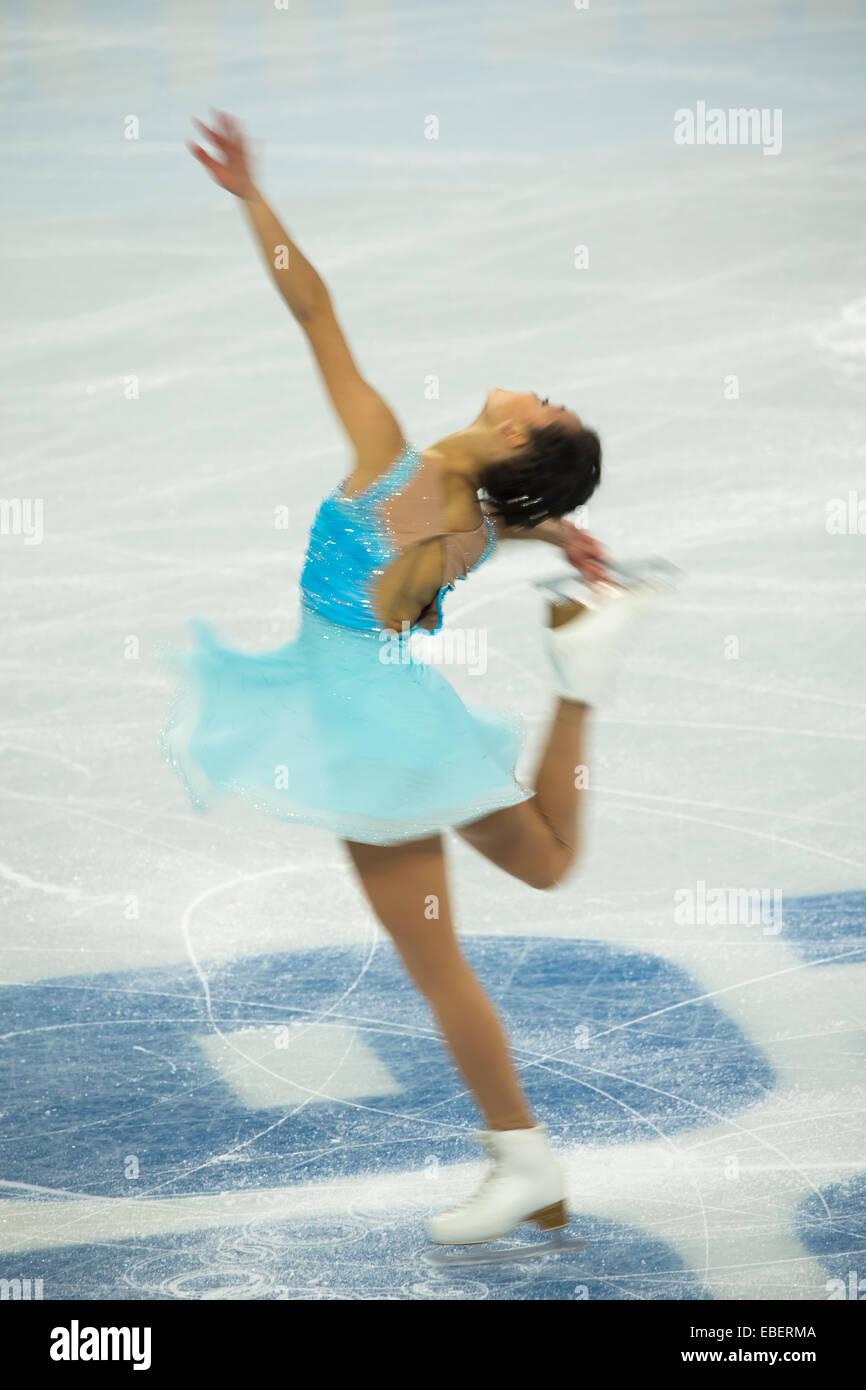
[[511, 413]]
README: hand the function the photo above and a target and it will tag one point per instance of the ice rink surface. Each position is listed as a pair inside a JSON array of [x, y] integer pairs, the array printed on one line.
[[217, 1081]]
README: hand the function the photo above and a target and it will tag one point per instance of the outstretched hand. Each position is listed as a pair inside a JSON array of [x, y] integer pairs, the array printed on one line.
[[233, 172], [584, 552]]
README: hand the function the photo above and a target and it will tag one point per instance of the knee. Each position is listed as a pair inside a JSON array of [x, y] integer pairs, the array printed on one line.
[[546, 883], [552, 862], [552, 872]]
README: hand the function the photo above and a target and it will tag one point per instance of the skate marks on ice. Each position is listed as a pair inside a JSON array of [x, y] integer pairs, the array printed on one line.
[[151, 1153], [326, 1065], [335, 1083], [355, 1254]]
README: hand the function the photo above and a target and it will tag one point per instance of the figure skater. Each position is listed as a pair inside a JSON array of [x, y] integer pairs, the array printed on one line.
[[327, 732]]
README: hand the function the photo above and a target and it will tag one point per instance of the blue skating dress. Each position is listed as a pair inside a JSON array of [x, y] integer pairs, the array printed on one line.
[[345, 728]]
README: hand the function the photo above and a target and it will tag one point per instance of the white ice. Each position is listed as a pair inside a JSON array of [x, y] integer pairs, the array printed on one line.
[[159, 404]]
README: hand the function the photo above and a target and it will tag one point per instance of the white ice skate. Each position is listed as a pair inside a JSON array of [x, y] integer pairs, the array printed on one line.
[[584, 646], [525, 1183]]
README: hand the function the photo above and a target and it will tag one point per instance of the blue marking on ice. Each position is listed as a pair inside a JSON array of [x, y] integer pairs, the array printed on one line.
[[826, 926], [111, 1065]]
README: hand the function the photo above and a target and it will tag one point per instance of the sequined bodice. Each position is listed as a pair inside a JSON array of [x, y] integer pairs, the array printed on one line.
[[354, 539]]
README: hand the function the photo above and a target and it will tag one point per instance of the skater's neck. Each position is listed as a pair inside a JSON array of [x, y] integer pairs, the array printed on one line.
[[467, 451]]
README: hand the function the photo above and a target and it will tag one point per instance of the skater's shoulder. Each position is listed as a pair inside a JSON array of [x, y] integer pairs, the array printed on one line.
[[460, 507]]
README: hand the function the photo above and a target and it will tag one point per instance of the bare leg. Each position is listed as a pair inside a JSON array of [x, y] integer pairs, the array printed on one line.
[[538, 841], [405, 885]]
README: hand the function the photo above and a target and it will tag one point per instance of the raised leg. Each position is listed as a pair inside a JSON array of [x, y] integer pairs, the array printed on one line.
[[538, 841], [407, 887]]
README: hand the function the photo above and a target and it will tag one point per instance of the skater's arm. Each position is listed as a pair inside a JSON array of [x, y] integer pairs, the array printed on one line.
[[580, 548], [365, 416], [299, 283], [545, 531]]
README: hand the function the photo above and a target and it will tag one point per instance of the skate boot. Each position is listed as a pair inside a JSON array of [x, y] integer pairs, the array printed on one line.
[[526, 1183], [588, 623]]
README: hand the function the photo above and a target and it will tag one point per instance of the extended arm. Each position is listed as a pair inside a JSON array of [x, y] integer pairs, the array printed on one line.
[[365, 416], [299, 283], [550, 531], [580, 548]]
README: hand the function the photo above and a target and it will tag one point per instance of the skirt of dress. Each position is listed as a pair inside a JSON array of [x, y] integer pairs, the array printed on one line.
[[332, 731]]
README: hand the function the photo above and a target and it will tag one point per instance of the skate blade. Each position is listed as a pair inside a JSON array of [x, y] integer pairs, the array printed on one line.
[[650, 573], [485, 1253]]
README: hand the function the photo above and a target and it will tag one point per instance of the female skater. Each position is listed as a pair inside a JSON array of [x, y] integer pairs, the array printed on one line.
[[329, 732]]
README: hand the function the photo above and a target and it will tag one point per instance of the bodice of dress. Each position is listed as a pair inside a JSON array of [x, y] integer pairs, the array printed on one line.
[[354, 539]]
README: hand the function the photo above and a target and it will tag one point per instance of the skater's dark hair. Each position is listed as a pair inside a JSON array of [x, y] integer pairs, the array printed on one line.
[[558, 470]]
